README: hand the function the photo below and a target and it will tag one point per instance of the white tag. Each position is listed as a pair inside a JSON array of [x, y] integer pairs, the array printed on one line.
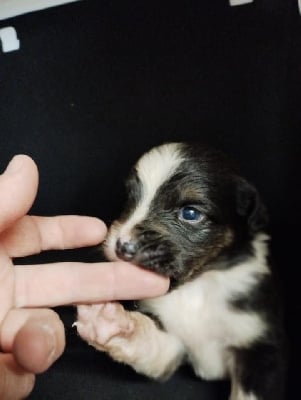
[[11, 8], [240, 2], [299, 3], [8, 37]]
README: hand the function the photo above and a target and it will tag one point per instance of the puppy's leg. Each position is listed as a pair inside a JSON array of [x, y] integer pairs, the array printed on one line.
[[258, 374], [130, 337]]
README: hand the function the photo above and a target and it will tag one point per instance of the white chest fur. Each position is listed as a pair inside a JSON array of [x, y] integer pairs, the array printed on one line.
[[200, 315]]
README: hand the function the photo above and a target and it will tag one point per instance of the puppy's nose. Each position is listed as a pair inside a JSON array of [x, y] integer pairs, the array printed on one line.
[[126, 250]]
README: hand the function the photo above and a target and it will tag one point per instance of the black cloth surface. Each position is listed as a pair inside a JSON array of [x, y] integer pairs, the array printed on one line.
[[96, 83]]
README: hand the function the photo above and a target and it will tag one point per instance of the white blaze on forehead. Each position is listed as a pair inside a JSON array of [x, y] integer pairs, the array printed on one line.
[[153, 169]]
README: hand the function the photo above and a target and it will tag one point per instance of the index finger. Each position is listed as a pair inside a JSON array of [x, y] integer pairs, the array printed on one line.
[[33, 234], [50, 285]]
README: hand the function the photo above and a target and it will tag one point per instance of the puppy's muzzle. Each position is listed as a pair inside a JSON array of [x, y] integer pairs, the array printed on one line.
[[126, 250], [148, 250]]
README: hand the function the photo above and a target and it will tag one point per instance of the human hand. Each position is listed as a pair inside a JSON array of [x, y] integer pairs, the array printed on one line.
[[32, 337]]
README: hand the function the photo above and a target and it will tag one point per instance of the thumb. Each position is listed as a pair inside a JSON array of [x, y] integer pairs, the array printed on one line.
[[18, 188], [15, 383]]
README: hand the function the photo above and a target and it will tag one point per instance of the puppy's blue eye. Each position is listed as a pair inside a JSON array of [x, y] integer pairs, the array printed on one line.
[[190, 214]]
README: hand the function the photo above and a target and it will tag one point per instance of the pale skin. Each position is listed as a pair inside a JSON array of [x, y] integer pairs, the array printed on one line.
[[32, 335]]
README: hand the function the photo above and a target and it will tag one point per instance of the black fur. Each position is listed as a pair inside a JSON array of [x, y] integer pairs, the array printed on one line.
[[261, 368]]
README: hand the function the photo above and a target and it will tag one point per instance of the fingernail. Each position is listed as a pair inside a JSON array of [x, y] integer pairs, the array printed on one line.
[[159, 285], [15, 165]]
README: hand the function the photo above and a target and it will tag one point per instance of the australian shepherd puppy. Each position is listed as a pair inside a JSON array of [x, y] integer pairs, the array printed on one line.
[[192, 217]]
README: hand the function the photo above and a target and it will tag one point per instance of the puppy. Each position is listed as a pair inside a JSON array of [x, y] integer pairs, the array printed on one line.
[[192, 217]]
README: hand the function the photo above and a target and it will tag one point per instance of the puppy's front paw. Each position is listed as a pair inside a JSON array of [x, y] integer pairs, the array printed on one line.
[[99, 323]]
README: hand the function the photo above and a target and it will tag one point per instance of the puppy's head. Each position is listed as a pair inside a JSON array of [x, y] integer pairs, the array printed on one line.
[[188, 210]]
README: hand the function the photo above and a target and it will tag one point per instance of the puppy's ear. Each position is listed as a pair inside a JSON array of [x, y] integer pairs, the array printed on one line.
[[250, 206]]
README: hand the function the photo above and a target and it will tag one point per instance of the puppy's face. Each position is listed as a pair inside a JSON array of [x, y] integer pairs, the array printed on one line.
[[186, 210]]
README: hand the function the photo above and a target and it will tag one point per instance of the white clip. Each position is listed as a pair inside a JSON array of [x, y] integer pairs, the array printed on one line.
[[9, 39], [240, 2], [299, 3]]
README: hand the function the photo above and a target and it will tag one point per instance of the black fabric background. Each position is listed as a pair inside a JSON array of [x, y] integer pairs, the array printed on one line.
[[96, 83]]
